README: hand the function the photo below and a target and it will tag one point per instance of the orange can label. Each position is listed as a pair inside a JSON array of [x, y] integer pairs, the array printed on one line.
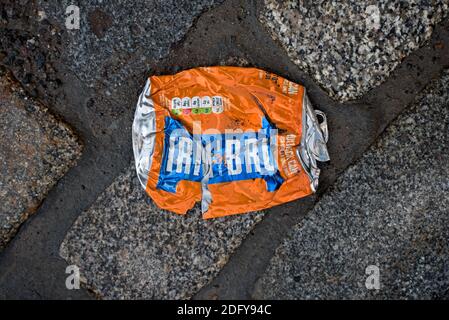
[[235, 139]]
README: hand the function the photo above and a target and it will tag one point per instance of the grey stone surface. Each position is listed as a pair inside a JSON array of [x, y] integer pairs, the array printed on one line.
[[127, 248], [35, 151], [116, 38], [390, 209], [350, 47]]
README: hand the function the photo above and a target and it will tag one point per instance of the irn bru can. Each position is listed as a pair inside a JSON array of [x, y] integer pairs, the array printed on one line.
[[234, 139]]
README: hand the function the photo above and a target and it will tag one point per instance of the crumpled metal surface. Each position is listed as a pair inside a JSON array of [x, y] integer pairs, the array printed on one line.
[[234, 139], [313, 143]]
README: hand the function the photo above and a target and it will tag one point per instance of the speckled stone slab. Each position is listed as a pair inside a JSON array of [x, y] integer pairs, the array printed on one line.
[[127, 248], [35, 151], [390, 209], [117, 38], [350, 47]]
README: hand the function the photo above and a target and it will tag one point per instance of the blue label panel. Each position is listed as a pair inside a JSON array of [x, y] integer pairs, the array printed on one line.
[[224, 157]]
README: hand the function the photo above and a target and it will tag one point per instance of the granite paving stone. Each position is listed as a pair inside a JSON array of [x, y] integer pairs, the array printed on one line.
[[117, 38], [350, 47], [390, 210], [36, 150], [128, 248]]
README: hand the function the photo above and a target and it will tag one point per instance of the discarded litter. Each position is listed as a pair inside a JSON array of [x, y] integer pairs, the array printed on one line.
[[235, 139]]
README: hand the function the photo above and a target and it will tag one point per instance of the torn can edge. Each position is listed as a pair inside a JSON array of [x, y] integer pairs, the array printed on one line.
[[143, 134]]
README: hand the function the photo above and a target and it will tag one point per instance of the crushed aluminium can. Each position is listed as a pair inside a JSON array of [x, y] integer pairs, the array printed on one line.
[[235, 139]]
